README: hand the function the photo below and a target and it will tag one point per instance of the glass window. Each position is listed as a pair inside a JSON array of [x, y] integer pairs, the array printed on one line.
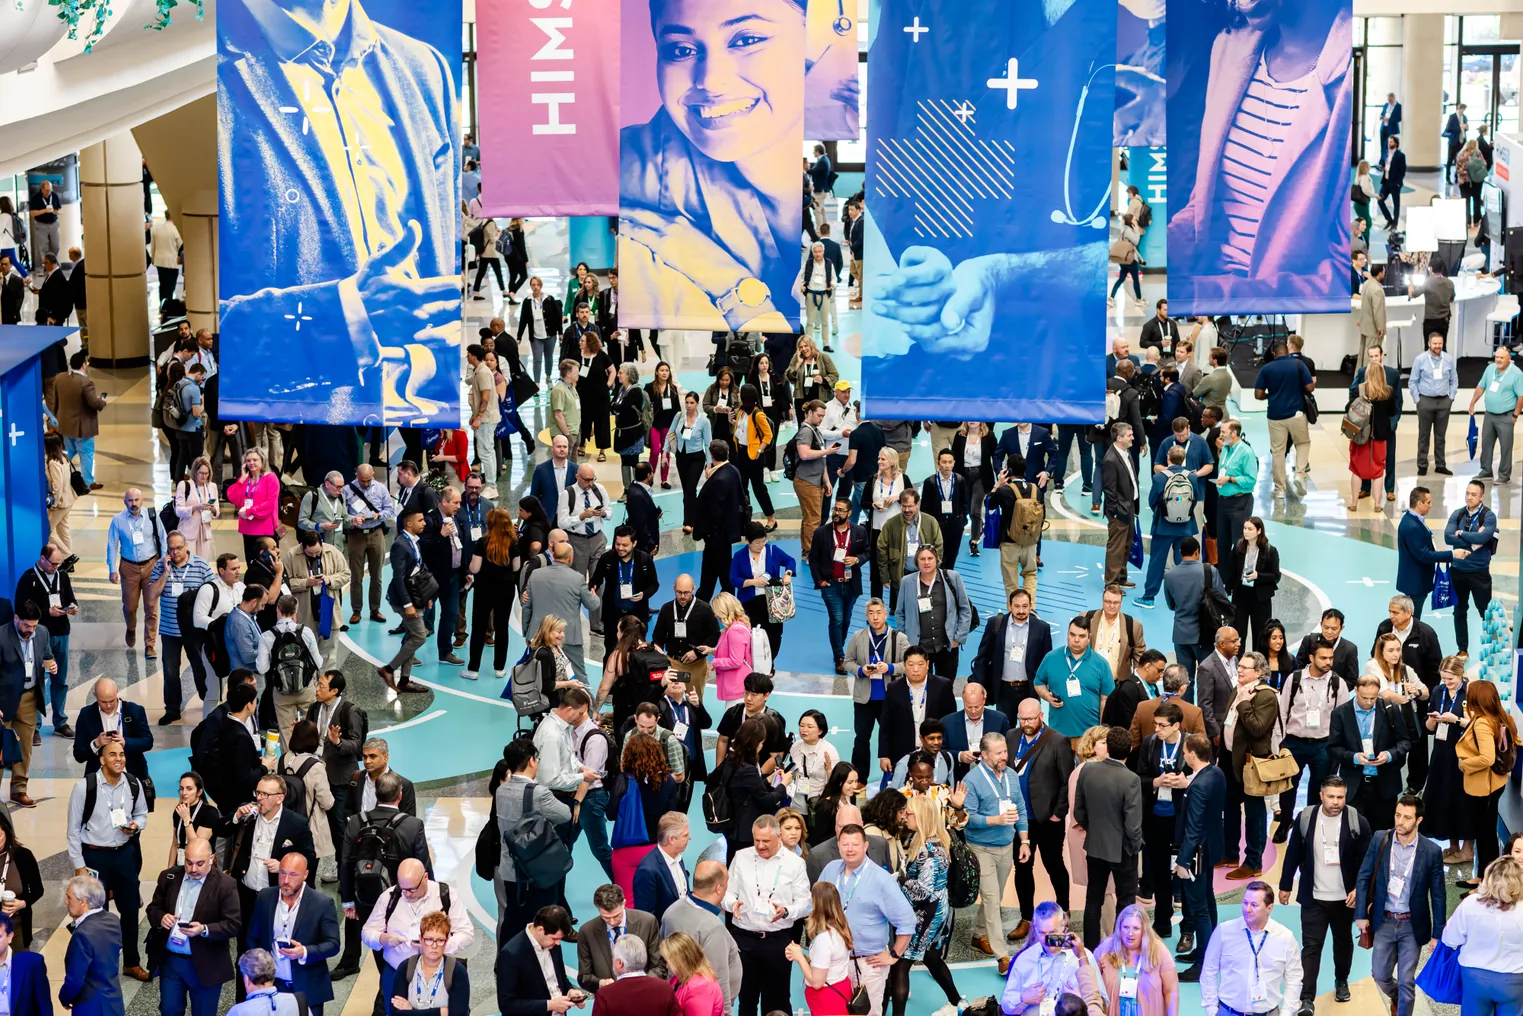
[[1382, 32], [1482, 27]]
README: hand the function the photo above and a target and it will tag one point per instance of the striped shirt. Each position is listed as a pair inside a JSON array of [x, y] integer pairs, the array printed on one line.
[[1251, 169], [192, 575]]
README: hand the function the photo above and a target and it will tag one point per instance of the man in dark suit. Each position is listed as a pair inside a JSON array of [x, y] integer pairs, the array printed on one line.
[[625, 580], [238, 763], [406, 557], [1306, 855], [413, 493], [444, 555], [641, 512], [12, 293], [966, 727], [1416, 557], [91, 983], [1119, 475], [298, 926], [23, 702], [1347, 663], [1160, 331], [1014, 644], [1043, 760], [1390, 123], [521, 986], [630, 994], [1198, 831], [1390, 183], [596, 966], [899, 734], [342, 726], [1455, 129], [1398, 941], [30, 991], [407, 840], [109, 718], [1367, 743], [718, 521], [946, 496], [1108, 807], [662, 878], [1216, 682], [55, 301], [254, 853], [362, 796], [192, 916], [554, 476], [1421, 651]]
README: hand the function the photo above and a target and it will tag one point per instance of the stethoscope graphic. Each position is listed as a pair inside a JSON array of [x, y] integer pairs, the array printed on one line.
[[1097, 219], [842, 24]]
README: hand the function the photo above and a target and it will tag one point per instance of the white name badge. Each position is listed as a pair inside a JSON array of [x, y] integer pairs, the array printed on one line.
[[55, 600], [680, 729], [1313, 718], [1438, 369], [721, 400], [176, 588], [626, 590], [839, 555], [1368, 744], [1398, 885], [687, 433], [1018, 653], [475, 533], [946, 506], [138, 536], [1442, 732], [679, 629], [1048, 1007], [178, 935], [1165, 793], [206, 514], [766, 401], [924, 603], [1495, 386], [1074, 687], [248, 503], [118, 817], [1329, 853], [1129, 986], [1260, 992]]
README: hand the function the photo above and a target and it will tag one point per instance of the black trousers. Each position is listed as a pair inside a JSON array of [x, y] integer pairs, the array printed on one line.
[[689, 472], [352, 943], [751, 473], [1011, 695], [716, 568], [865, 716], [1317, 917], [765, 971], [1487, 844], [951, 540], [1158, 846], [1046, 840], [1468, 585], [944, 664], [1124, 874], [119, 873], [1373, 804], [338, 815]]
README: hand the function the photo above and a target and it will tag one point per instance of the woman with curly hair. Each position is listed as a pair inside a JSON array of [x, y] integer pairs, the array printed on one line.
[[643, 791]]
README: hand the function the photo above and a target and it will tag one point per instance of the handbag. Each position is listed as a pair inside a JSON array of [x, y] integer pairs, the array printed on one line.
[[81, 488], [780, 606], [1208, 552], [523, 388], [993, 524], [629, 829], [1135, 557], [1273, 774], [1440, 976], [325, 614], [1443, 589], [858, 1004], [422, 587], [10, 749]]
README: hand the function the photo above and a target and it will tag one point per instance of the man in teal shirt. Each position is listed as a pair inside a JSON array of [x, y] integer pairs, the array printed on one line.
[[1502, 388], [1239, 472], [1074, 682]]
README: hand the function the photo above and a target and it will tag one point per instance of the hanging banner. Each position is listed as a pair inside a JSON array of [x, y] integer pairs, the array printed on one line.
[[832, 89], [1148, 171], [1260, 170], [547, 78], [988, 174], [339, 167], [1140, 36], [710, 212]]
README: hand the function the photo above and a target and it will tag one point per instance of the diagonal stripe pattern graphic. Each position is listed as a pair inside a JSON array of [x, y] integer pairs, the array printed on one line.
[[944, 167]]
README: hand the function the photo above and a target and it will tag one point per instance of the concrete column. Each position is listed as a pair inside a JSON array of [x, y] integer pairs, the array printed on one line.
[[1511, 27], [198, 232], [1422, 90], [111, 196]]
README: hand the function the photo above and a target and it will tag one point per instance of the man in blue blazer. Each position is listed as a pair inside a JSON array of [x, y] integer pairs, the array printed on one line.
[[1006, 679], [1198, 831], [657, 885], [964, 728], [91, 982], [406, 557], [521, 987], [30, 991], [1398, 942], [128, 722], [1390, 123], [553, 476], [640, 510], [312, 934], [1415, 554]]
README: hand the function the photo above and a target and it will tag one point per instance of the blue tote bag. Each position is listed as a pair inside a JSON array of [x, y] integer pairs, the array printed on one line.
[[629, 828], [1443, 589], [1135, 557], [1440, 976]]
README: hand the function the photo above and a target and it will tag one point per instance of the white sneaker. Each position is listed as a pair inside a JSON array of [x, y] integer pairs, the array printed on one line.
[[469, 675], [502, 674], [1300, 485], [947, 1010], [490, 492], [1110, 302]]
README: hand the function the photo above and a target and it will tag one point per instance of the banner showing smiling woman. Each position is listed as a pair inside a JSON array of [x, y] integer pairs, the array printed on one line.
[[710, 198]]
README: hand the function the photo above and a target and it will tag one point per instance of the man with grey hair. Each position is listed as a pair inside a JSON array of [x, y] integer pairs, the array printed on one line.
[[1118, 473], [322, 511], [632, 993], [768, 892], [581, 512], [368, 510], [1176, 681], [817, 278], [662, 878], [258, 970], [94, 952], [615, 924], [1057, 964], [698, 914]]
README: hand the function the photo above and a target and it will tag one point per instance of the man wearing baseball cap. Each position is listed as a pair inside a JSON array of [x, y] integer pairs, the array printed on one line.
[[841, 418]]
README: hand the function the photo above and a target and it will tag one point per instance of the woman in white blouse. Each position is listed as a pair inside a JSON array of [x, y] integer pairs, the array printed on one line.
[[884, 490], [196, 504], [1399, 683], [1487, 930]]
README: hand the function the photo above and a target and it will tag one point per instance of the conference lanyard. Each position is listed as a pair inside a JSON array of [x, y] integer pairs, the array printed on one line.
[[419, 983], [776, 874], [1446, 701], [875, 646], [845, 875], [1255, 949], [946, 495], [1167, 758]]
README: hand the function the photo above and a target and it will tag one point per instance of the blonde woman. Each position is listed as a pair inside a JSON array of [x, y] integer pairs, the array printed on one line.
[[693, 978], [1089, 748], [811, 374], [196, 503], [1135, 952], [1487, 930], [1368, 461], [925, 884], [256, 492], [883, 490], [1399, 683], [1364, 193], [793, 830], [827, 965], [732, 656], [555, 671], [61, 485]]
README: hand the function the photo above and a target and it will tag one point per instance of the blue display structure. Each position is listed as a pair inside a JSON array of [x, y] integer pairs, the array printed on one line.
[[23, 486]]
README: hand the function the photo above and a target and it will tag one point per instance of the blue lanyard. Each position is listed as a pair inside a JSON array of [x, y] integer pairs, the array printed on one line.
[[1255, 948], [419, 983], [1446, 701], [875, 647], [1167, 758], [946, 494], [627, 571]]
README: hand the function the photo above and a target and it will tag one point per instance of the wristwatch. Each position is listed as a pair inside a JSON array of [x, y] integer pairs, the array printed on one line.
[[739, 303]]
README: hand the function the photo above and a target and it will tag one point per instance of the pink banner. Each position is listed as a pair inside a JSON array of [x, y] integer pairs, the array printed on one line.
[[832, 91], [547, 80]]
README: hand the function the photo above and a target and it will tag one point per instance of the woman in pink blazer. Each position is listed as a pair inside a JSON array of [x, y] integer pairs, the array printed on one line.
[[697, 986], [256, 495], [732, 657]]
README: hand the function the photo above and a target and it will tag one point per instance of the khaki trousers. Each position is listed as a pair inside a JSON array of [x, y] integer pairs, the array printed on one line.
[[1017, 568], [811, 504], [134, 588], [58, 523], [365, 547], [994, 867], [1281, 432], [697, 672], [25, 725], [288, 706]]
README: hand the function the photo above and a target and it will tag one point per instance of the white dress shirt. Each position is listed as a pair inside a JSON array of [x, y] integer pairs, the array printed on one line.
[[545, 966], [679, 876], [257, 877], [1233, 977], [1487, 938], [758, 882], [405, 919], [285, 924]]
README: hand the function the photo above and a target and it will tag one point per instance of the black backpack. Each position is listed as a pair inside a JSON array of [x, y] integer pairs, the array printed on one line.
[[962, 878], [540, 857], [169, 519], [185, 615], [214, 642], [92, 791], [718, 810], [1149, 389], [291, 665], [738, 357], [444, 904], [376, 854], [1216, 610], [791, 458], [296, 787]]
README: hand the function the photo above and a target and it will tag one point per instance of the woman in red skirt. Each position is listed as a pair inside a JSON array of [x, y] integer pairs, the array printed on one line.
[[827, 965], [1367, 461]]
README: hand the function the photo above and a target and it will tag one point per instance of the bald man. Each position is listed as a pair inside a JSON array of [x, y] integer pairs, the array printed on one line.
[[134, 542], [392, 927], [582, 512], [193, 915], [710, 880], [687, 631], [299, 927], [557, 589], [368, 509], [109, 718], [823, 853]]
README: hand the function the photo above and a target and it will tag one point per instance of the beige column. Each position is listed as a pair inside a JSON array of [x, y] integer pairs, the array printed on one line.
[[198, 232], [111, 199], [1422, 90], [1511, 29]]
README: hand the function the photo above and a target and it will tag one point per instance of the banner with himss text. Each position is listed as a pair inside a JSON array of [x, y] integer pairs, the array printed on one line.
[[832, 89], [339, 237], [1260, 110], [547, 96], [712, 125], [988, 175]]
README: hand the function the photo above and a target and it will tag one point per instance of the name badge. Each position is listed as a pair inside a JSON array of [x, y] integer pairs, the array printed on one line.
[[721, 400], [946, 506], [1369, 746], [839, 555], [138, 536], [680, 729], [1438, 369], [766, 401], [1128, 985], [248, 503], [1442, 732], [1074, 687], [55, 600], [1398, 885], [687, 433], [206, 515], [1496, 386], [176, 588], [1260, 990], [177, 935], [1018, 654], [1165, 793], [626, 590], [1231, 719], [1313, 718], [924, 603], [1329, 853], [118, 817], [475, 533], [1048, 1007]]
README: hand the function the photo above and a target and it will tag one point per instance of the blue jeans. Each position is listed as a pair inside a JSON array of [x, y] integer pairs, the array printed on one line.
[[85, 447], [840, 602], [1158, 553], [1309, 754], [1397, 947], [1244, 811], [58, 684], [1490, 994], [594, 822], [1200, 910], [177, 978], [448, 604]]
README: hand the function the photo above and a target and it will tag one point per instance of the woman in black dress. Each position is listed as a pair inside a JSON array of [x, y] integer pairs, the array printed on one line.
[[973, 449], [1447, 815], [194, 817], [592, 391], [666, 400], [721, 402], [841, 788], [533, 527], [776, 400], [494, 576], [19, 874], [1252, 575], [629, 431]]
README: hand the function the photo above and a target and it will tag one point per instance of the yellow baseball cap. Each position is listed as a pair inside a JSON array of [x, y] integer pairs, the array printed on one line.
[[843, 386]]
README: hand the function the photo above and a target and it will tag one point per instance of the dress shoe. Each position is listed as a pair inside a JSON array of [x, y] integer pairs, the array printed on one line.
[[132, 640], [136, 973], [570, 936], [149, 654], [1444, 471], [399, 629], [388, 676], [1341, 992], [459, 641], [378, 617], [36, 737], [168, 718], [1190, 975], [339, 973], [1186, 944], [1422, 472], [841, 666], [354, 618], [452, 660], [21, 800], [64, 730], [1306, 1009], [1020, 932], [1281, 832], [981, 944], [97, 486], [1004, 966], [1242, 872], [411, 689]]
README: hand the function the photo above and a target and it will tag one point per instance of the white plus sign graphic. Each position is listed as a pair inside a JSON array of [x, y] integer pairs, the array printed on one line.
[[1012, 82], [16, 435], [964, 112], [306, 96], [916, 30], [298, 317]]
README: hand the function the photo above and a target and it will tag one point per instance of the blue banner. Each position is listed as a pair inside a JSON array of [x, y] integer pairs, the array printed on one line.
[[23, 484], [1148, 171], [1140, 101], [1259, 158], [339, 238], [988, 170]]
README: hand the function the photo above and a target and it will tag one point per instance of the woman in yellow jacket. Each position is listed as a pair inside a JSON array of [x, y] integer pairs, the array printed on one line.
[[753, 434], [1489, 733]]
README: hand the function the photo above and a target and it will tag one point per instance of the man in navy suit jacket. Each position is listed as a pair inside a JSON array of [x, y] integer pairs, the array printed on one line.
[[30, 991], [313, 935], [641, 511], [989, 664], [1040, 449], [91, 982], [521, 987], [543, 485], [1198, 830], [975, 714], [655, 884], [1415, 554], [129, 721], [1425, 897]]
